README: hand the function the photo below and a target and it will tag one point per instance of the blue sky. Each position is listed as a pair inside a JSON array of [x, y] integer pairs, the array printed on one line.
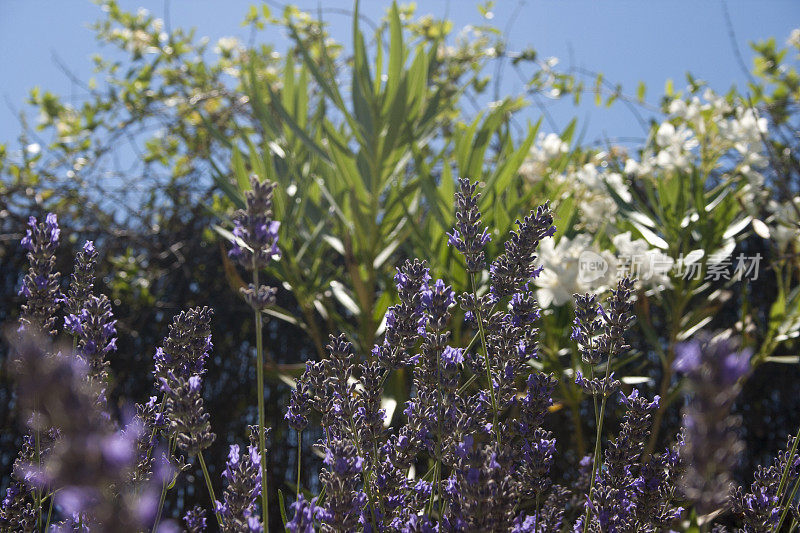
[[627, 40]]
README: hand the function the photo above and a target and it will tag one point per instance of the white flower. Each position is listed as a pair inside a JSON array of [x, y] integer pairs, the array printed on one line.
[[650, 266], [546, 148], [562, 275], [665, 135], [589, 176], [226, 45], [33, 148], [794, 38], [617, 183], [631, 166], [744, 132], [553, 146], [786, 223], [675, 145], [596, 211], [677, 108], [716, 102]]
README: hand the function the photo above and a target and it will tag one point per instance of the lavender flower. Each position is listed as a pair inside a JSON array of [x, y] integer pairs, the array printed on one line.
[[243, 475], [340, 477], [713, 368], [89, 463], [186, 347], [82, 281], [95, 328], [760, 508], [195, 520], [40, 286], [259, 298], [405, 323], [303, 519], [369, 414], [17, 512], [516, 266], [256, 232], [186, 418], [586, 327], [599, 332], [299, 403], [179, 367], [469, 237], [482, 495], [612, 501], [147, 421], [654, 491]]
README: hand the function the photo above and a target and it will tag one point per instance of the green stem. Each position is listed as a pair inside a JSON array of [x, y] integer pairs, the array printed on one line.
[[37, 494], [486, 355], [366, 476], [163, 491], [50, 511], [439, 416], [160, 507], [436, 467], [262, 445], [597, 451], [210, 488], [597, 443], [789, 461], [788, 503], [299, 457]]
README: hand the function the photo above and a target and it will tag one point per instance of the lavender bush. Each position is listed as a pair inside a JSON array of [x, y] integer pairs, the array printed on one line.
[[473, 451]]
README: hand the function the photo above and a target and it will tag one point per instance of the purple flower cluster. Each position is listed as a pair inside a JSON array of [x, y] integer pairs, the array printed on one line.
[[195, 520], [40, 286], [489, 455], [243, 475], [405, 322], [303, 518], [713, 367], [88, 465], [630, 494], [469, 236], [82, 281], [255, 232], [472, 451], [516, 266], [179, 367], [599, 332]]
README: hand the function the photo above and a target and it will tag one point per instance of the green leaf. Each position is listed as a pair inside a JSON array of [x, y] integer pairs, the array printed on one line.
[[385, 254], [783, 359], [231, 192], [239, 170], [569, 131], [282, 505], [288, 120], [284, 315], [396, 52], [669, 87], [331, 90], [640, 91], [736, 227], [341, 293], [501, 179], [650, 236]]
